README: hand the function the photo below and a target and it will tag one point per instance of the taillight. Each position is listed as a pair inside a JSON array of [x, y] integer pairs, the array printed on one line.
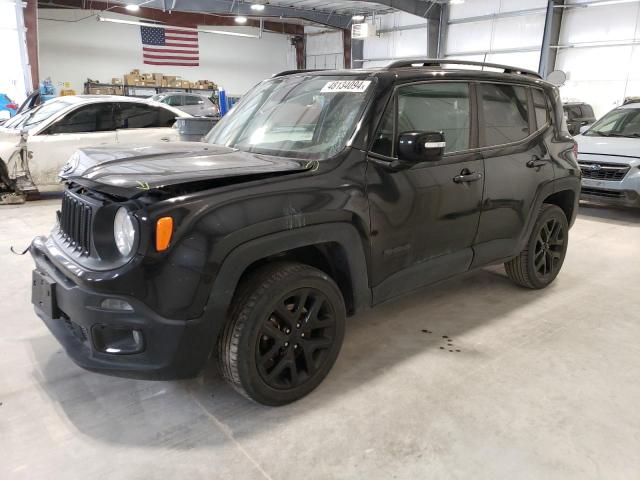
[[12, 106], [575, 150]]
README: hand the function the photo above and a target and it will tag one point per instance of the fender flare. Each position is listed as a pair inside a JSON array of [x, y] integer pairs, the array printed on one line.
[[242, 256]]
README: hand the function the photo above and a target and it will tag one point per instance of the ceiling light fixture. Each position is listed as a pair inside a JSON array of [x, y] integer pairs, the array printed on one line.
[[156, 25], [258, 7], [357, 18], [456, 2], [240, 19], [132, 7]]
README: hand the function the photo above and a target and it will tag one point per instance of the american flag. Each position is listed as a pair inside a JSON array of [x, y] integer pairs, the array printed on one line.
[[169, 46]]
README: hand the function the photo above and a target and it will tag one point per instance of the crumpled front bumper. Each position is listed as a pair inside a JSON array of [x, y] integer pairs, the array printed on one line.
[[172, 349]]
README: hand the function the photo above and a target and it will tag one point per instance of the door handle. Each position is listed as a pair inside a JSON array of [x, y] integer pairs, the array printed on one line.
[[466, 176], [164, 139], [536, 162]]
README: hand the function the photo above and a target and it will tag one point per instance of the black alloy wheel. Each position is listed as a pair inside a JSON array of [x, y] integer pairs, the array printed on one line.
[[539, 263], [284, 333], [549, 248], [295, 338]]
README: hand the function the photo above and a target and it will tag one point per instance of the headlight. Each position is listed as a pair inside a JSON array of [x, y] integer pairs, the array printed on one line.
[[124, 231]]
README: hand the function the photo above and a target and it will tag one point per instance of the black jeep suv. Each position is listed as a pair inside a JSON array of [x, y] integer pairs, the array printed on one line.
[[321, 194]]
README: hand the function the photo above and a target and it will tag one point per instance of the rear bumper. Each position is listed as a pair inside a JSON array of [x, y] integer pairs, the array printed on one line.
[[171, 349]]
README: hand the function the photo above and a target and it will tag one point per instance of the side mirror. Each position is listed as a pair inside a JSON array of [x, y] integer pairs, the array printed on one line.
[[416, 147], [584, 128]]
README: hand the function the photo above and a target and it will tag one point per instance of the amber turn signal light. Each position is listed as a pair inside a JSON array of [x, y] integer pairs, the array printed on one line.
[[164, 230]]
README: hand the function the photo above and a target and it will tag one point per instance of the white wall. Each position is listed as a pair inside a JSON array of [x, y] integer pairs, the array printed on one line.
[[601, 76], [514, 40], [396, 43], [71, 52], [323, 48], [15, 77]]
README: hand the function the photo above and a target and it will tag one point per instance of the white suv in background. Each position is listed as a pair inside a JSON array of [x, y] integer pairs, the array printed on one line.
[[609, 157], [35, 144]]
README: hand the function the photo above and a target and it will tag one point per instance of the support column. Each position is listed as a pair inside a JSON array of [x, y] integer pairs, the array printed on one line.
[[31, 26], [346, 45], [552, 25], [298, 42], [443, 30]]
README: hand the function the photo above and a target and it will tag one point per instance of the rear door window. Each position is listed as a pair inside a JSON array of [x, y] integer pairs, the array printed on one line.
[[174, 100], [193, 100], [136, 115], [504, 112], [97, 117]]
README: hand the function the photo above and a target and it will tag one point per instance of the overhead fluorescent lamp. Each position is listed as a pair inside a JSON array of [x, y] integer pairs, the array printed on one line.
[[258, 7], [357, 18], [132, 7], [455, 2], [609, 2], [158, 25]]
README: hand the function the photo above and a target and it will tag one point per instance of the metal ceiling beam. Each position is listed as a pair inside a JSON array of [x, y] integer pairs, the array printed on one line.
[[420, 8], [231, 7]]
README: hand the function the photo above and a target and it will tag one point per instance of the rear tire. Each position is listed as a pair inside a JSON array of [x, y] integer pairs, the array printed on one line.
[[541, 260], [284, 333]]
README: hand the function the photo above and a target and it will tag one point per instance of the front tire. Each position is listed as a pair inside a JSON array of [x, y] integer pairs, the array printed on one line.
[[284, 333], [541, 260]]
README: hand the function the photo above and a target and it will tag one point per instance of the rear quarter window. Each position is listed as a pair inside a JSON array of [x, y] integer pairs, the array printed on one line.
[[505, 115]]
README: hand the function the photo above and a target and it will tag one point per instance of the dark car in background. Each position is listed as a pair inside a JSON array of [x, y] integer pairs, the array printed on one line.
[[578, 115], [322, 194]]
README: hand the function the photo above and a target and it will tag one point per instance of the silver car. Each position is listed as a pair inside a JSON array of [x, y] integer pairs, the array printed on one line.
[[192, 103], [609, 157]]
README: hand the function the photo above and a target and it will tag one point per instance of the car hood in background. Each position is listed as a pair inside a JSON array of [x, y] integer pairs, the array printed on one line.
[[613, 149], [130, 170]]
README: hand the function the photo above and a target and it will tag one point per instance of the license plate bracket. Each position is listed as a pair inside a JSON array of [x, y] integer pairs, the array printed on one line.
[[43, 294]]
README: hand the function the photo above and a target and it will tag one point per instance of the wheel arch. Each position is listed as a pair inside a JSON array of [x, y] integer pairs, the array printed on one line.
[[567, 200], [335, 248]]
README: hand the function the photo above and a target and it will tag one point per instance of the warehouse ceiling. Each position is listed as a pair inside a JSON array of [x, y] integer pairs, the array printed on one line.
[[333, 13]]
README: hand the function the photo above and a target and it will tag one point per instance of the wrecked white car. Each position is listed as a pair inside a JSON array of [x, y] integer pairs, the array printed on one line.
[[35, 144]]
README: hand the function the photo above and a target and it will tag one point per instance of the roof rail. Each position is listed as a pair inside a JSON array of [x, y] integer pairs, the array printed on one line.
[[433, 62], [292, 72]]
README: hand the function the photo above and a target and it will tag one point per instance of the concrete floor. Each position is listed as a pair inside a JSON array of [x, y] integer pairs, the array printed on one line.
[[546, 384]]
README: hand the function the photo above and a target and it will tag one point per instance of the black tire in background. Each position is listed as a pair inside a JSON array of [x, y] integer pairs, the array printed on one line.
[[284, 333], [541, 260]]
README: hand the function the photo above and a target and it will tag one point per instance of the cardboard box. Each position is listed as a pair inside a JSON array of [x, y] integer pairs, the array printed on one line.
[[131, 79], [116, 81]]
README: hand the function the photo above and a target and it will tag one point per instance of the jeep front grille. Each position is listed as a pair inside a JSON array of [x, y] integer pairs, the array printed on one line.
[[75, 222], [603, 171]]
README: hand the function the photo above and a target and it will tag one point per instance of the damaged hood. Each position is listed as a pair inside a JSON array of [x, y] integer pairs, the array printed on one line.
[[130, 170]]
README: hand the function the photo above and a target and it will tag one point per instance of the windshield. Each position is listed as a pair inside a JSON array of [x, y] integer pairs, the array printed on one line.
[[43, 112], [310, 116], [621, 122]]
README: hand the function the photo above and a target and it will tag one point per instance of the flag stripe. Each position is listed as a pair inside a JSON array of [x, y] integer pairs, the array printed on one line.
[[172, 57], [181, 40], [178, 44], [183, 64], [181, 32], [168, 50]]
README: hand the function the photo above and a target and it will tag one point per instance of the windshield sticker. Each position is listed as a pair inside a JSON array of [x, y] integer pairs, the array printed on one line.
[[352, 86]]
